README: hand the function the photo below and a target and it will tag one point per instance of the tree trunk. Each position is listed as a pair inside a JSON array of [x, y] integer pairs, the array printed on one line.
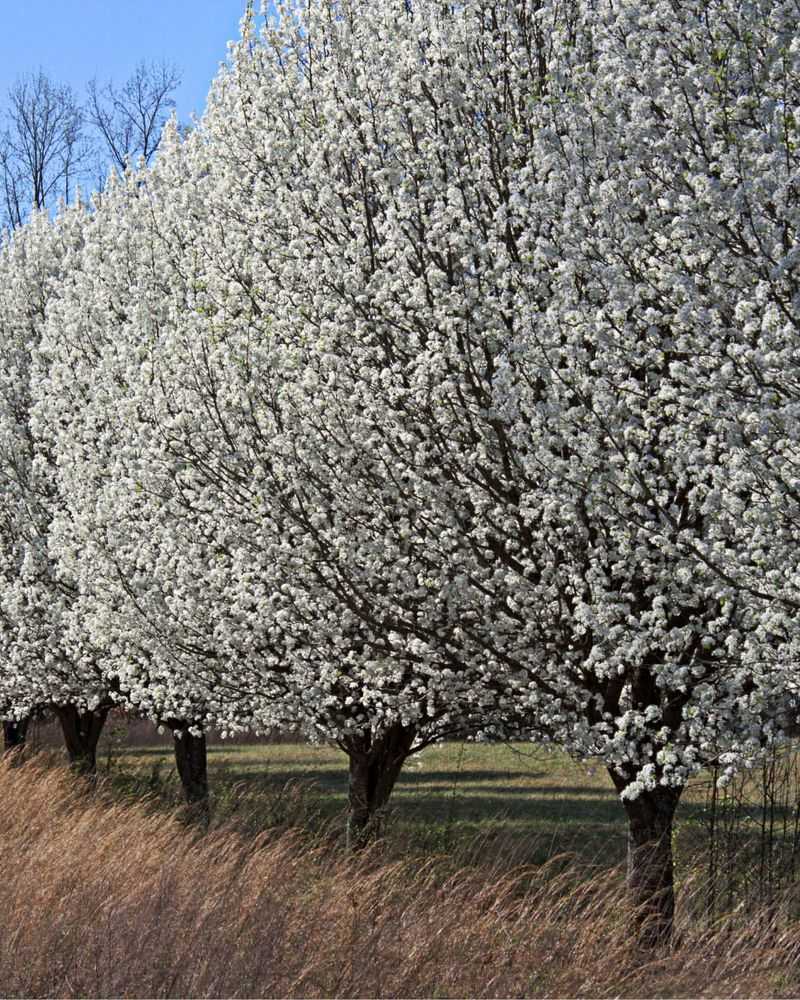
[[82, 731], [14, 734], [375, 763], [192, 765], [650, 868]]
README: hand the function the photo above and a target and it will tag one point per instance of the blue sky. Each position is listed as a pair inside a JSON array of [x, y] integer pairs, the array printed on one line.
[[75, 40]]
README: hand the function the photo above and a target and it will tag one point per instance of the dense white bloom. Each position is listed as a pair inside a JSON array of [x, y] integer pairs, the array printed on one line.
[[39, 665], [387, 396], [444, 378]]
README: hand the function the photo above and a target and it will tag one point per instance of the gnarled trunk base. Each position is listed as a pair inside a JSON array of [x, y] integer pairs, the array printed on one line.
[[375, 764], [15, 732], [82, 731], [650, 865], [192, 764]]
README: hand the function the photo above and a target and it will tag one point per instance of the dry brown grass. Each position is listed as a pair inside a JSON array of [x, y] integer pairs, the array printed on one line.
[[100, 899]]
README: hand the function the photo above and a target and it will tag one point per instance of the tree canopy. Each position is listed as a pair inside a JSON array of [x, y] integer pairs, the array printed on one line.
[[442, 381]]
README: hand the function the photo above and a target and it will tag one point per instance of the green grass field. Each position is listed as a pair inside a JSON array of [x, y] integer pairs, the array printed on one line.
[[517, 801]]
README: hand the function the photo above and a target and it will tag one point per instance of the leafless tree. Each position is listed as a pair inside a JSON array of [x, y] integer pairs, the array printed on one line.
[[43, 147], [129, 119]]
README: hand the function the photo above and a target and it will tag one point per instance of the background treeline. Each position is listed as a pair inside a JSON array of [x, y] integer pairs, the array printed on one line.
[[53, 140]]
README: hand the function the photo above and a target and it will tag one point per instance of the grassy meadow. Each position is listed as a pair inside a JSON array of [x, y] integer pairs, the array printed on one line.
[[499, 874], [511, 804], [447, 797], [519, 801]]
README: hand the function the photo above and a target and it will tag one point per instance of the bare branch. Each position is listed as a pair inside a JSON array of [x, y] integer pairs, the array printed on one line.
[[129, 119], [43, 148]]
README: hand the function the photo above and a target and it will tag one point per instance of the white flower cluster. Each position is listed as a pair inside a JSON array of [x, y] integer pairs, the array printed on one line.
[[444, 377]]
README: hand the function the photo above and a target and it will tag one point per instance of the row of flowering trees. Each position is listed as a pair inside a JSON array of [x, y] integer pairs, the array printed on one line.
[[441, 381]]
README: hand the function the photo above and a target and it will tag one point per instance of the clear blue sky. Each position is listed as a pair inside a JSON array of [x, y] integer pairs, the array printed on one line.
[[75, 40]]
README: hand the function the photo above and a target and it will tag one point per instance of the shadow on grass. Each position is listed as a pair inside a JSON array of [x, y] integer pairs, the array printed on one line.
[[441, 810], [476, 793], [148, 752]]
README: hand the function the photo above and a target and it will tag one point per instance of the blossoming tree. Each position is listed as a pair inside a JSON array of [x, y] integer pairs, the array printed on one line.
[[201, 562], [108, 289], [466, 254], [426, 388], [39, 666]]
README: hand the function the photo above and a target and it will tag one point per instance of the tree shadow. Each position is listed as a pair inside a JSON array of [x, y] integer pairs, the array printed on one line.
[[432, 810]]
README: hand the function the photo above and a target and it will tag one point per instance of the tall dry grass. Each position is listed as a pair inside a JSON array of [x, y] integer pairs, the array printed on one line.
[[98, 899]]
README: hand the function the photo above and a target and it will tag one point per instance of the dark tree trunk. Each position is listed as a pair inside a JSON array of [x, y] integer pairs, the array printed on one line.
[[191, 762], [82, 731], [650, 868], [375, 763], [14, 733]]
